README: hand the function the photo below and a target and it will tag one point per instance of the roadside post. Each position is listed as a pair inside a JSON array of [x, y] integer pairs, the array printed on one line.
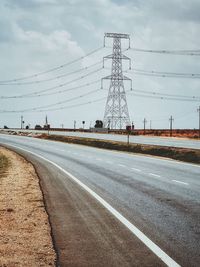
[[48, 128], [128, 129]]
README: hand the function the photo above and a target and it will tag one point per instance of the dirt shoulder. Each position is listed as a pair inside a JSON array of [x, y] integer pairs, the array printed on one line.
[[25, 234]]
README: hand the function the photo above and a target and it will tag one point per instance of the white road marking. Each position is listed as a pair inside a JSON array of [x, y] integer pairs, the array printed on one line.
[[155, 175], [121, 165], [180, 182], [135, 169], [150, 244]]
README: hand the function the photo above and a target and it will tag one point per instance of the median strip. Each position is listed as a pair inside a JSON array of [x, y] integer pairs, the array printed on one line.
[[182, 154]]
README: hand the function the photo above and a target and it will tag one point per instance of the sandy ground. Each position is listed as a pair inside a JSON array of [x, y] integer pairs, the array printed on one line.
[[25, 234]]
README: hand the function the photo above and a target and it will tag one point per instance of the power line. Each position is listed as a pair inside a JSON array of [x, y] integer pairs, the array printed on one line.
[[164, 74], [65, 107], [51, 69], [50, 105], [53, 93], [76, 105], [171, 52], [53, 78], [164, 97], [164, 118], [196, 98], [54, 87]]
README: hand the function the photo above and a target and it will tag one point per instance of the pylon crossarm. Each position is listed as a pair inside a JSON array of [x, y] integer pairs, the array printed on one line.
[[117, 35], [126, 78]]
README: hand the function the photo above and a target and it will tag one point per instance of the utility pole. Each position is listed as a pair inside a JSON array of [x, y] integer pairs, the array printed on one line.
[[74, 125], [198, 110], [150, 124], [144, 121], [116, 114], [46, 120], [171, 122], [22, 122]]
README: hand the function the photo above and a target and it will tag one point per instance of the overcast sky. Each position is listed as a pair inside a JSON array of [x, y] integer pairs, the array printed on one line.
[[37, 35]]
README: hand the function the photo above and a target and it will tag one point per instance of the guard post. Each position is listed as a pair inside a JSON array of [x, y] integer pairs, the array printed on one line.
[[128, 130]]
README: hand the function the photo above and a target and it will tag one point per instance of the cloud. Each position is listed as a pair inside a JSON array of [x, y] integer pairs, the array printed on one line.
[[6, 32], [56, 40], [29, 4], [36, 35]]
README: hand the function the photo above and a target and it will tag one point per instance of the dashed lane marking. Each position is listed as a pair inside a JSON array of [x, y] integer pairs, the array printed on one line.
[[135, 169], [121, 165], [180, 182], [155, 175], [108, 161]]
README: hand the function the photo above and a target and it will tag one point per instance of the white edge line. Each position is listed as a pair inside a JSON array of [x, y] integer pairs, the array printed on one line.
[[150, 244]]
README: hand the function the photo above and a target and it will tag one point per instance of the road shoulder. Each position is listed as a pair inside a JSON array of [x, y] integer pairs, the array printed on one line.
[[25, 234]]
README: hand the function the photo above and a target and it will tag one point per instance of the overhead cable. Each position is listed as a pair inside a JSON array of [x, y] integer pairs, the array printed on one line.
[[195, 98], [52, 93], [73, 106], [53, 78], [50, 105], [164, 97], [54, 87], [164, 74], [51, 69], [171, 52]]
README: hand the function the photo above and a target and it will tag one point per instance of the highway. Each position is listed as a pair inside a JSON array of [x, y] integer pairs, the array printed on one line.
[[149, 140], [111, 208]]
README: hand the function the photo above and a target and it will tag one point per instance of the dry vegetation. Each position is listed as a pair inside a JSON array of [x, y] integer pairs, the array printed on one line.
[[25, 238], [3, 164]]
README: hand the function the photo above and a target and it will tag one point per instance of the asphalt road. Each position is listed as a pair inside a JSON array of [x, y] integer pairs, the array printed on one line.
[[159, 197], [149, 140]]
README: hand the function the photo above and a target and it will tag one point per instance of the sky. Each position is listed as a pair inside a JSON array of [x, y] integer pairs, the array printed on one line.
[[51, 54]]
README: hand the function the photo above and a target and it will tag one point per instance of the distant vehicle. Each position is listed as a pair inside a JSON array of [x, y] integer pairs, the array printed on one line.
[[46, 126], [38, 127], [98, 124]]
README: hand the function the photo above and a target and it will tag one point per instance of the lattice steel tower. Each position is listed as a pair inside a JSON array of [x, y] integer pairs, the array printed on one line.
[[116, 114]]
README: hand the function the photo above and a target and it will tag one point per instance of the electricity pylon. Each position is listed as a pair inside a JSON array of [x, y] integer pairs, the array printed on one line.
[[116, 114]]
